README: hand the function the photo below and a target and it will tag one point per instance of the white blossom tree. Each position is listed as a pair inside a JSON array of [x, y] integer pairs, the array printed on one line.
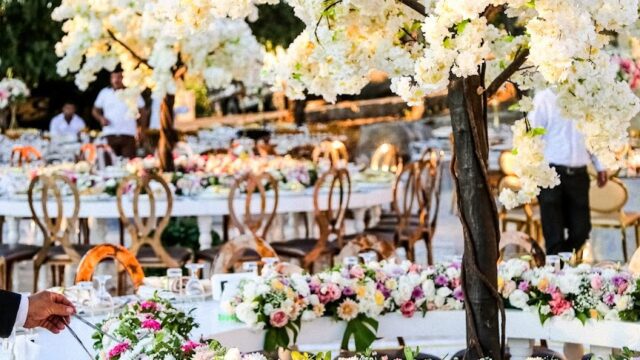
[[158, 43], [465, 46]]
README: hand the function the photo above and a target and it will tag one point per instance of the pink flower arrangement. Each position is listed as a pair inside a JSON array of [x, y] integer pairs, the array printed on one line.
[[151, 324], [559, 304], [149, 305], [190, 346], [119, 349], [278, 319]]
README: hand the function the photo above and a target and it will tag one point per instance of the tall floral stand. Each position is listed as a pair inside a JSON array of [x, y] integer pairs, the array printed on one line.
[[13, 109]]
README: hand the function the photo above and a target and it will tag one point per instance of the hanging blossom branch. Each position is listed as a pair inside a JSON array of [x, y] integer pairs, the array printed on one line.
[[129, 49], [520, 59], [415, 5]]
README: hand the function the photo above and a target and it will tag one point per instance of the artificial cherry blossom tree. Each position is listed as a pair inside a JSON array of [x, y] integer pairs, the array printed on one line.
[[158, 43], [468, 47]]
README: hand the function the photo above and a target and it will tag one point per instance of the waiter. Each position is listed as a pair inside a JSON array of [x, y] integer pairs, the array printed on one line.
[[67, 123], [44, 309], [566, 206], [119, 126]]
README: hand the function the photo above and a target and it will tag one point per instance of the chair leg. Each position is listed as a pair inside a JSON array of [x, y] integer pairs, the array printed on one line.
[[624, 243], [637, 232]]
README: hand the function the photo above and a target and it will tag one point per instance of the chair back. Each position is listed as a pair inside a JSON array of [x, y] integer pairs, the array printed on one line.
[[56, 229], [385, 158], [303, 152], [91, 259], [367, 243], [507, 161], [256, 224], [334, 151], [98, 155], [431, 185], [233, 251], [146, 231], [407, 199], [607, 199], [522, 243], [21, 155]]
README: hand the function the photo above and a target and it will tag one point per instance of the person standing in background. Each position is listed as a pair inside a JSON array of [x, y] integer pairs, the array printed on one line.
[[118, 125], [67, 123], [566, 206]]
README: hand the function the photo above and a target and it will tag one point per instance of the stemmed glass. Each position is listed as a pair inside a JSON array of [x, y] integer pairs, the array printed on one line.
[[350, 261], [194, 287], [104, 300], [566, 258], [369, 257]]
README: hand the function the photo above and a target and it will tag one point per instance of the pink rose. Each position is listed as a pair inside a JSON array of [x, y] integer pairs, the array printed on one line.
[[190, 346], [356, 272], [118, 349], [329, 292], [149, 305], [408, 309], [414, 268], [558, 304], [278, 319], [151, 324], [596, 282]]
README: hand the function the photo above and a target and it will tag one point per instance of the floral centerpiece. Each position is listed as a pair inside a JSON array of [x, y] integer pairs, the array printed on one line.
[[12, 92]]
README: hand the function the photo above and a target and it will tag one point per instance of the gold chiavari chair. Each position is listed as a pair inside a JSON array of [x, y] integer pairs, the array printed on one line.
[[607, 203], [516, 244], [124, 257], [254, 225], [364, 243], [333, 151], [525, 217], [98, 155], [146, 243], [386, 158], [335, 184], [57, 230]]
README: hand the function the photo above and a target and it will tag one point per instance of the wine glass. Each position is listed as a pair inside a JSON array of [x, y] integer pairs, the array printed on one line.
[[85, 294], [103, 299], [194, 288], [350, 261], [174, 280], [250, 266], [369, 257], [566, 258]]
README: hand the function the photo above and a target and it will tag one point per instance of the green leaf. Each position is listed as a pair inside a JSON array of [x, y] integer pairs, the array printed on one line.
[[363, 330], [514, 107], [461, 26], [582, 317], [538, 131], [276, 338], [514, 151], [447, 43], [531, 4], [508, 38]]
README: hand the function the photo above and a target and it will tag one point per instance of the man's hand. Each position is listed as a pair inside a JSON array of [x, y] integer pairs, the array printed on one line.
[[49, 310], [602, 178]]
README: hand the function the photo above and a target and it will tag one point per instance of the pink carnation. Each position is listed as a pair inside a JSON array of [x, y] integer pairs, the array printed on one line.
[[558, 304], [149, 305], [408, 309], [596, 282], [151, 324], [278, 319], [118, 349], [356, 272], [329, 292], [190, 346]]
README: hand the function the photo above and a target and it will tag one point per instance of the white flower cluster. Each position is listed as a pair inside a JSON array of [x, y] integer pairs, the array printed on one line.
[[12, 90], [239, 9], [529, 165], [153, 40]]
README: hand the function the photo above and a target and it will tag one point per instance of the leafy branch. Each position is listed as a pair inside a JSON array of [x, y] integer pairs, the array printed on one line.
[[129, 49]]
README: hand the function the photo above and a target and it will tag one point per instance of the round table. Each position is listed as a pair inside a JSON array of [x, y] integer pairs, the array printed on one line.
[[363, 196]]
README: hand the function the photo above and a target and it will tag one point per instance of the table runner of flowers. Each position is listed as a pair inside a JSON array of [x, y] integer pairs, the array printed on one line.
[[281, 304]]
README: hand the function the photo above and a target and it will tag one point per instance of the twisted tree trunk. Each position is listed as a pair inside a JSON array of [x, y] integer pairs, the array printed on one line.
[[168, 134], [479, 217]]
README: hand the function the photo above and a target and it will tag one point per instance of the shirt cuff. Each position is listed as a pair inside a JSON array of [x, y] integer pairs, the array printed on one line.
[[21, 318]]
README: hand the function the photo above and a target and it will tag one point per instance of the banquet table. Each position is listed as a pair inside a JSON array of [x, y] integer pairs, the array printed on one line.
[[205, 208], [522, 329]]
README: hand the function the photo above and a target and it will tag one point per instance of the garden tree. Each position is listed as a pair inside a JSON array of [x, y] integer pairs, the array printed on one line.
[[468, 47]]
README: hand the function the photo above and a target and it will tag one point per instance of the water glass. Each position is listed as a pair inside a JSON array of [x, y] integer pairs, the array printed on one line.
[[103, 299], [350, 261], [250, 266], [174, 280], [369, 257], [194, 288], [553, 261], [566, 258], [85, 293]]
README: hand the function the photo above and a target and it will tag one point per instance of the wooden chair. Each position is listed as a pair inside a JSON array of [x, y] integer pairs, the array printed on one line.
[[124, 257], [235, 252], [526, 217], [145, 234], [330, 220], [255, 225], [386, 158], [607, 205], [515, 244], [21, 155], [367, 243], [98, 155], [333, 151], [302, 152], [57, 249]]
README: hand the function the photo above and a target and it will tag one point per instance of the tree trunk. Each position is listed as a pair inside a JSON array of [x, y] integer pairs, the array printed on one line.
[[168, 134], [479, 217]]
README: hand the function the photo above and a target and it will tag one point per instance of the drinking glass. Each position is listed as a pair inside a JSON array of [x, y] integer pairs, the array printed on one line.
[[350, 261], [104, 300], [250, 266], [565, 257], [554, 261], [174, 280], [369, 257], [194, 288], [86, 294]]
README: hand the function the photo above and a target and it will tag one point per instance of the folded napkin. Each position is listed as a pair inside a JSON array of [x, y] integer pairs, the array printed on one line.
[[27, 348]]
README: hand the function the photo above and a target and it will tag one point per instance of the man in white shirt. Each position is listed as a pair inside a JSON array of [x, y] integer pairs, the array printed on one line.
[[118, 125], [567, 205], [67, 123], [44, 309]]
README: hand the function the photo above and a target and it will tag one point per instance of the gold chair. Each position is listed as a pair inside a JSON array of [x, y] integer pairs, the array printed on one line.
[[98, 155], [330, 220], [235, 252], [124, 257], [607, 203], [255, 225], [515, 244], [386, 158], [146, 234], [57, 249], [364, 243], [333, 151]]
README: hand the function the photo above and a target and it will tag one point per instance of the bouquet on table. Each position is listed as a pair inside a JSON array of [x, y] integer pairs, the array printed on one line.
[[154, 329]]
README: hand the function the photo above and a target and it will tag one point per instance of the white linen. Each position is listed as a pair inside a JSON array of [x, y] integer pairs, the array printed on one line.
[[117, 112], [564, 143], [23, 310], [60, 127]]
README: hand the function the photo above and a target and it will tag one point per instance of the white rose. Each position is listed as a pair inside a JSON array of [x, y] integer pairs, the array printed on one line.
[[232, 354], [518, 299], [444, 292], [246, 314], [429, 289], [622, 302], [268, 309], [545, 309]]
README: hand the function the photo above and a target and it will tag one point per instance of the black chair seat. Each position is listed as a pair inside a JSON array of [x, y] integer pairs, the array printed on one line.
[[210, 254], [538, 352], [18, 252], [299, 248], [389, 354], [57, 253], [146, 255]]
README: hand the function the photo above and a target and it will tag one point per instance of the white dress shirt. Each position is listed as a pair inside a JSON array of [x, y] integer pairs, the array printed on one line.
[[60, 127], [117, 112], [564, 143], [23, 309]]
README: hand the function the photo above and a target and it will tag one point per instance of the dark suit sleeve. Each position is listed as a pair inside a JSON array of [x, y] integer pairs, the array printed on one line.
[[9, 304]]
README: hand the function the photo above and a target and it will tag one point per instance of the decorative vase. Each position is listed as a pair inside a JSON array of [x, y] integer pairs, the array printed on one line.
[[14, 120]]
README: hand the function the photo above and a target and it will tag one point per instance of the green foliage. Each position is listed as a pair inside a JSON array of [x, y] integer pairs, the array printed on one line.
[[27, 39], [276, 25], [281, 337], [363, 330]]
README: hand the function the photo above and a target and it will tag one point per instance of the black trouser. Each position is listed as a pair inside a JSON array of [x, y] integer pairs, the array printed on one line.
[[123, 145], [566, 206]]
